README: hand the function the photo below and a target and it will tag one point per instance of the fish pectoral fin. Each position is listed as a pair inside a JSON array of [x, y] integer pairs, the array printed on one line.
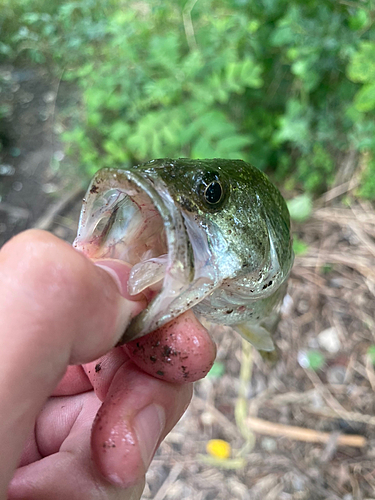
[[258, 336]]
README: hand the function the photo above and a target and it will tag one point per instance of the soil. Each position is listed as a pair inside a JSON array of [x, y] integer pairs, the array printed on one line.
[[328, 316], [35, 177]]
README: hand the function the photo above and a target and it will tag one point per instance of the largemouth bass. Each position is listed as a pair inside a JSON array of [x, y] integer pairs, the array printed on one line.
[[212, 235]]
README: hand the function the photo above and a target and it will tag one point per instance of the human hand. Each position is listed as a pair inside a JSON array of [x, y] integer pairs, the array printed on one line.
[[81, 431]]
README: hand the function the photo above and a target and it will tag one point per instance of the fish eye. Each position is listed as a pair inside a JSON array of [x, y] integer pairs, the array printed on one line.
[[213, 192]]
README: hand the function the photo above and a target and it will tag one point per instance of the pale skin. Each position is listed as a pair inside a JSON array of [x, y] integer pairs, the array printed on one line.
[[79, 419]]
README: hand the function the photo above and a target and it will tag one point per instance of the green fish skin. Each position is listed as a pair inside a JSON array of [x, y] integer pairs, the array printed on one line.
[[212, 235]]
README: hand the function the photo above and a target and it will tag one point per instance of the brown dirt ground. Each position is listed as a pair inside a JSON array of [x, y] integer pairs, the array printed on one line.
[[332, 286]]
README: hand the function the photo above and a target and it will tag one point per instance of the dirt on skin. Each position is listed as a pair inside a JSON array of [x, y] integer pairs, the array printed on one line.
[[164, 353], [330, 311]]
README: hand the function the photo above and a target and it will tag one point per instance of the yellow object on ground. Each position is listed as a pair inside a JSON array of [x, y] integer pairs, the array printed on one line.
[[218, 448]]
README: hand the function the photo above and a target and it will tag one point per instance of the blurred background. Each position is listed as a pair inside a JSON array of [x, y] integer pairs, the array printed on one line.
[[288, 86]]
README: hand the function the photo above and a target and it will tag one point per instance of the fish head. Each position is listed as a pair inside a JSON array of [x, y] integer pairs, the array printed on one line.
[[197, 233]]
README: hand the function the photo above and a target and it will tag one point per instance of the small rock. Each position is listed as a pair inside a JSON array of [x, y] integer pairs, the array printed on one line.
[[50, 187], [329, 340], [58, 128], [336, 282], [302, 359], [303, 306], [207, 418], [43, 115], [336, 374], [298, 483], [49, 97], [26, 97], [59, 155], [268, 444], [15, 87], [313, 343], [287, 305], [311, 359], [6, 169], [7, 111], [6, 75], [316, 400], [17, 186], [15, 152]]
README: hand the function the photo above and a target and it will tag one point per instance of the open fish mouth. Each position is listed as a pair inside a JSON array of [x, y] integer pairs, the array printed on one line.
[[132, 217]]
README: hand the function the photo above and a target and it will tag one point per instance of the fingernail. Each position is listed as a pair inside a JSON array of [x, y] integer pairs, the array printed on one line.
[[149, 425], [128, 306], [119, 272]]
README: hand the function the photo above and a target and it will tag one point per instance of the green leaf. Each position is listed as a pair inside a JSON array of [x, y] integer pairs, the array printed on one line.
[[299, 246], [250, 74], [294, 125], [315, 360], [203, 148], [362, 65], [243, 74], [5, 49], [234, 143], [283, 34], [116, 150], [217, 370], [371, 354], [119, 131], [326, 268], [312, 359], [365, 99], [358, 20], [300, 207], [232, 77]]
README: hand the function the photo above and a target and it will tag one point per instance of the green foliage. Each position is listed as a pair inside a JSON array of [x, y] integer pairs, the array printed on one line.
[[312, 359], [317, 168], [285, 84], [300, 207], [315, 360], [299, 246], [326, 269], [371, 354], [217, 370], [367, 187], [362, 69]]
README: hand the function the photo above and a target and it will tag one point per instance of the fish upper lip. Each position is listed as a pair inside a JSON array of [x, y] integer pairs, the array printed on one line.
[[179, 267]]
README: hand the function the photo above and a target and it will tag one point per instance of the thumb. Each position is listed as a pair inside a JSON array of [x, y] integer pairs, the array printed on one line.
[[56, 308]]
